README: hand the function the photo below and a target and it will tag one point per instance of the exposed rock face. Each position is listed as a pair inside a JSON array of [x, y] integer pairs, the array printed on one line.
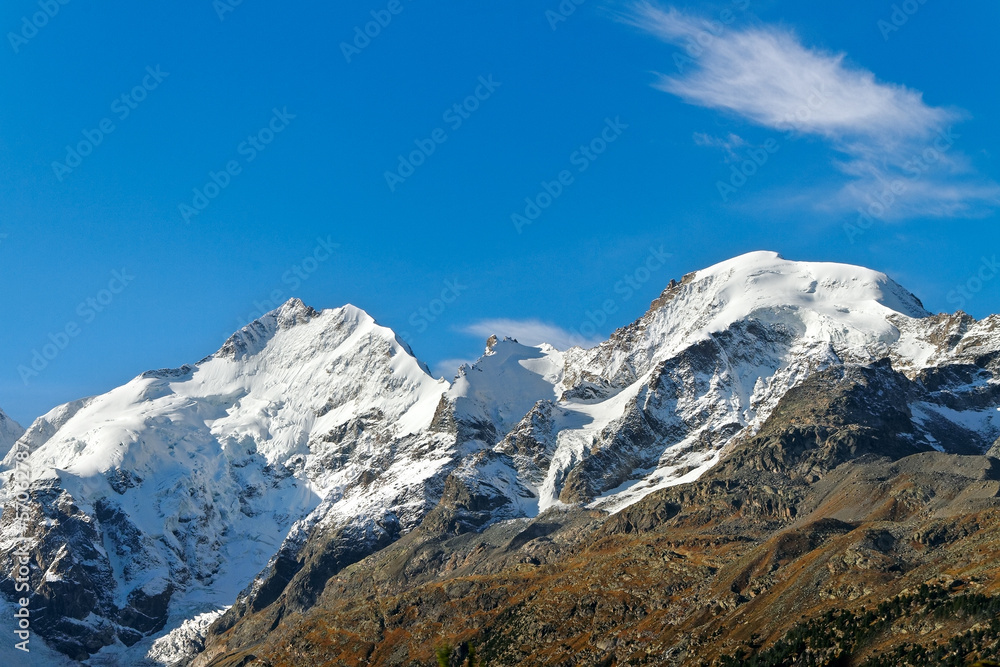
[[774, 401], [803, 518], [560, 590], [304, 440], [313, 466]]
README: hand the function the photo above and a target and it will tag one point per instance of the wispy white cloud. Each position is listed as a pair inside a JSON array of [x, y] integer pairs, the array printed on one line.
[[529, 332], [730, 144], [448, 368], [883, 132]]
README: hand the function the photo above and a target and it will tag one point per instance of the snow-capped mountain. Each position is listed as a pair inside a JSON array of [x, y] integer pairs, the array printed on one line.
[[10, 431], [658, 403], [314, 438], [161, 499]]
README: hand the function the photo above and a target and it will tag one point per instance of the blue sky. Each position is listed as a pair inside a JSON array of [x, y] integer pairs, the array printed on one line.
[[169, 170]]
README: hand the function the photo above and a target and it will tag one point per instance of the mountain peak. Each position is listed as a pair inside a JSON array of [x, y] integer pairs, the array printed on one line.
[[294, 310], [849, 307], [756, 256], [10, 431], [765, 277], [293, 313], [317, 437]]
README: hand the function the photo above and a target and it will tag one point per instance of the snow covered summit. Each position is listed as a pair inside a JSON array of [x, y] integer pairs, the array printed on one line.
[[10, 431], [180, 485], [658, 403]]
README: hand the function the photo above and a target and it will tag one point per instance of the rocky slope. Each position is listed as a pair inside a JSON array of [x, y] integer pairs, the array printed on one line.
[[162, 499], [826, 510], [312, 467], [774, 367]]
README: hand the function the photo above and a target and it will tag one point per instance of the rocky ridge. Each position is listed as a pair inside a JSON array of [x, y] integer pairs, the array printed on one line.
[[314, 447]]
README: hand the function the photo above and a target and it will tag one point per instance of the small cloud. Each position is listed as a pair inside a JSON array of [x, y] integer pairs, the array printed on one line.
[[530, 332], [885, 134], [729, 144], [448, 368]]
